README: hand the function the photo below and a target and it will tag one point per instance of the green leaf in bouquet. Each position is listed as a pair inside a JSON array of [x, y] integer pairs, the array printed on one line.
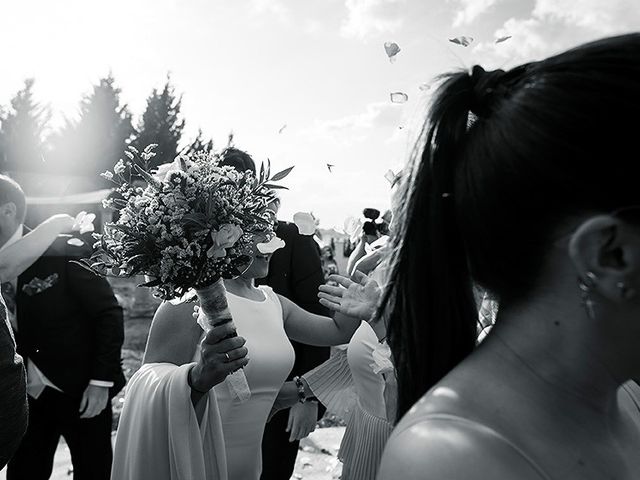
[[262, 178], [147, 177], [195, 219], [268, 169], [84, 264], [153, 283], [275, 187], [280, 175]]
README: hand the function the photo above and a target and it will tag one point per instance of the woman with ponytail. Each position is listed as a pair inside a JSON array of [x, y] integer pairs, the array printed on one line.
[[526, 184]]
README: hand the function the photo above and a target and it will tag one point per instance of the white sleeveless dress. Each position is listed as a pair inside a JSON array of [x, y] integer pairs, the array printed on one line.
[[271, 358]]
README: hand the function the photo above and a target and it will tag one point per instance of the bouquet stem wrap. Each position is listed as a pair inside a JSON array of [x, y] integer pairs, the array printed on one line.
[[214, 306]]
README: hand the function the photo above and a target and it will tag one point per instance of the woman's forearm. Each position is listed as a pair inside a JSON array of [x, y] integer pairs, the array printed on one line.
[[17, 257], [198, 398], [356, 255]]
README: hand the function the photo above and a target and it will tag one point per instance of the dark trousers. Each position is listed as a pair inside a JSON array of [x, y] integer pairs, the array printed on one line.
[[54, 414], [278, 454]]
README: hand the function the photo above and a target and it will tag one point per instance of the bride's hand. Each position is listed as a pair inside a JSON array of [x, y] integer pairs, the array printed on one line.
[[219, 357], [358, 299], [287, 397]]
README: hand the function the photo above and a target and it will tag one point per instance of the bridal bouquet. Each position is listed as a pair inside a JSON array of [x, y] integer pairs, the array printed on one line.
[[185, 226]]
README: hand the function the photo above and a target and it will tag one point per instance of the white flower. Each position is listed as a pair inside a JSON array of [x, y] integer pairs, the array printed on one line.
[[162, 170], [224, 238], [108, 175], [271, 246], [305, 222], [120, 167], [84, 222]]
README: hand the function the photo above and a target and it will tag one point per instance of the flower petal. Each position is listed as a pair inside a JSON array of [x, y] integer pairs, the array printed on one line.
[[305, 222], [271, 246]]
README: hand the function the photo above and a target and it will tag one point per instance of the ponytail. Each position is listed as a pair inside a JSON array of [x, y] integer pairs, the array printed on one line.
[[429, 304]]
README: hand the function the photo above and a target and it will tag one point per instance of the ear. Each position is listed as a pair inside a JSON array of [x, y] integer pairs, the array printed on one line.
[[606, 251], [9, 209]]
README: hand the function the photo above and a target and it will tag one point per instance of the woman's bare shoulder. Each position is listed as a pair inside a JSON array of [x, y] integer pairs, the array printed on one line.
[[436, 446]]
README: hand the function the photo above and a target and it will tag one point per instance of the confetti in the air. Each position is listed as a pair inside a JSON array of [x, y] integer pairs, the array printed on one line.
[[503, 39], [305, 222], [282, 128], [463, 40], [76, 242], [330, 166], [271, 246], [399, 97], [390, 176], [425, 87], [392, 50]]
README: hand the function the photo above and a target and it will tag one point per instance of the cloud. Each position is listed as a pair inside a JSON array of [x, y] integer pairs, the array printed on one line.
[[470, 10], [270, 7], [555, 25], [358, 127], [601, 17], [372, 17]]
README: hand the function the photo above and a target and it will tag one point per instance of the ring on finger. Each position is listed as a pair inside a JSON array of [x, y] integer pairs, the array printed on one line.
[[226, 355]]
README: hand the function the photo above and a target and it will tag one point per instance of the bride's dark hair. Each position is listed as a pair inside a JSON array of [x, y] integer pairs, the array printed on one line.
[[504, 159]]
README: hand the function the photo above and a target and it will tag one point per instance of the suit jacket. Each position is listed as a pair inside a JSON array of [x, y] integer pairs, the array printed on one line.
[[13, 391], [295, 272], [74, 329]]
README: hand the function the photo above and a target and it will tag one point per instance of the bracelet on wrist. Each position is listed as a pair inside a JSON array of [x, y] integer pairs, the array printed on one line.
[[302, 396]]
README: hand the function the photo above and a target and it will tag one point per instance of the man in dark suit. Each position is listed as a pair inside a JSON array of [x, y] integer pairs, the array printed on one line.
[[69, 330], [295, 272]]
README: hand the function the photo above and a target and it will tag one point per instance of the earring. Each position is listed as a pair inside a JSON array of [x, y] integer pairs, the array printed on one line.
[[626, 292], [586, 286]]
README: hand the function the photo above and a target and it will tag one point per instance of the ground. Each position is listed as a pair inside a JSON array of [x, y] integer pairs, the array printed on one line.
[[317, 459]]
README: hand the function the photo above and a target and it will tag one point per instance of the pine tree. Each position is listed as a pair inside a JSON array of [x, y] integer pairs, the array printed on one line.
[[161, 124], [22, 132], [96, 141], [199, 145]]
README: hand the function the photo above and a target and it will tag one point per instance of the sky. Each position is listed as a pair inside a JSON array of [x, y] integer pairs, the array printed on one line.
[[317, 66]]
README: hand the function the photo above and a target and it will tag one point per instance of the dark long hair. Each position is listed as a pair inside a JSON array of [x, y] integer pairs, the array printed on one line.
[[504, 159]]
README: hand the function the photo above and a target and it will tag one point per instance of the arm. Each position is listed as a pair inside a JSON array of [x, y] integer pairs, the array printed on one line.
[[17, 257], [173, 338], [312, 329], [173, 335], [369, 262], [455, 449], [356, 255]]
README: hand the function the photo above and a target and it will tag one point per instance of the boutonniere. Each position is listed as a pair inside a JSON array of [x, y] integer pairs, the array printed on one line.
[[38, 285]]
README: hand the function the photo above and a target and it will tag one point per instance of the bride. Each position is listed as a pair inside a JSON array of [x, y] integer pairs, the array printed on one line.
[[180, 420]]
